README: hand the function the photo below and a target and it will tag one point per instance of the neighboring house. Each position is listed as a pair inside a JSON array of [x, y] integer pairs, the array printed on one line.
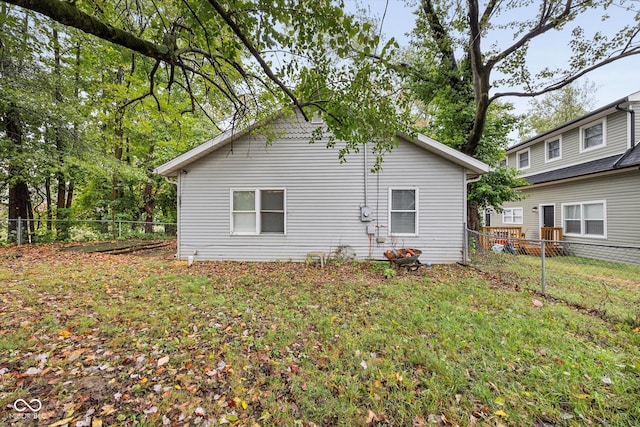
[[584, 176], [240, 198]]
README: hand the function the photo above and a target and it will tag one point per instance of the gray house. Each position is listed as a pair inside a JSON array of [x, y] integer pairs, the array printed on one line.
[[240, 198], [584, 176]]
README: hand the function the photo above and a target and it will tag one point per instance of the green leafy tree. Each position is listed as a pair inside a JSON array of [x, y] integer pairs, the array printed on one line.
[[78, 134], [481, 50], [466, 56], [556, 108], [22, 104], [252, 58]]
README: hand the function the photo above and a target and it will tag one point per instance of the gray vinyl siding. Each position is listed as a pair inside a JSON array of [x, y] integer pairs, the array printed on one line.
[[323, 199], [618, 190], [617, 125]]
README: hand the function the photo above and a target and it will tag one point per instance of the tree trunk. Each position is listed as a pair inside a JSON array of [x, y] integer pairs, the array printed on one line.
[[148, 197], [48, 201], [473, 218], [62, 216], [18, 189], [69, 195]]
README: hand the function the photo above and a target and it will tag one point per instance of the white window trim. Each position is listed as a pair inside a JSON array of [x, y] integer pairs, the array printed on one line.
[[546, 149], [528, 151], [258, 210], [417, 210], [512, 215], [582, 227], [604, 135]]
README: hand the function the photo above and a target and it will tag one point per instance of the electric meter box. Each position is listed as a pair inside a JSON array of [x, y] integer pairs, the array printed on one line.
[[366, 214]]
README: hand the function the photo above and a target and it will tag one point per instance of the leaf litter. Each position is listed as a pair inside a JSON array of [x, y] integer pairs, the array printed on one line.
[[118, 340]]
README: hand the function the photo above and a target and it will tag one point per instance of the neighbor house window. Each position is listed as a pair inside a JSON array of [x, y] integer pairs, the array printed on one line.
[[592, 136], [403, 212], [512, 216], [552, 149], [585, 219], [259, 211], [523, 159]]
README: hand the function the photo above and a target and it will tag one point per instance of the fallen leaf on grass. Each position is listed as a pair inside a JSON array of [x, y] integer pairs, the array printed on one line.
[[537, 303], [500, 413], [372, 417], [61, 422], [163, 361], [151, 410], [107, 410], [75, 355], [33, 371]]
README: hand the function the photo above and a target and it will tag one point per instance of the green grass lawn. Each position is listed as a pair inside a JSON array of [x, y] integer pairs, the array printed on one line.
[[611, 290], [125, 339]]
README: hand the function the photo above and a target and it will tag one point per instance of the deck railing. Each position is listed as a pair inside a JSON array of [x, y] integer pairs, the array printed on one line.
[[551, 233], [501, 235]]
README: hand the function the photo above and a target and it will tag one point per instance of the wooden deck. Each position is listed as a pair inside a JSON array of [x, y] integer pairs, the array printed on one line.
[[513, 234], [501, 235], [552, 247]]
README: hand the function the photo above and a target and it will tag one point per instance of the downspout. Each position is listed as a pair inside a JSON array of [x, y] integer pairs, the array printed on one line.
[[632, 113]]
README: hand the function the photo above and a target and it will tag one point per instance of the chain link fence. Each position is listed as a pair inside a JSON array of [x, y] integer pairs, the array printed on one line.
[[602, 279], [23, 231]]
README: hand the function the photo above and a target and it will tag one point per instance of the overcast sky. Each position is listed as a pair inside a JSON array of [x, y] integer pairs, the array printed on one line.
[[613, 81]]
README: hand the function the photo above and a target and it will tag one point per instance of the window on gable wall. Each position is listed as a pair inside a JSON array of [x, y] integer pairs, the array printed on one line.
[[592, 136], [257, 212], [403, 212], [512, 216], [584, 219]]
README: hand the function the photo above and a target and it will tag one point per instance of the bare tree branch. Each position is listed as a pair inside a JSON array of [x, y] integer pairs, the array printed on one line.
[[440, 34], [545, 24], [569, 79], [254, 52]]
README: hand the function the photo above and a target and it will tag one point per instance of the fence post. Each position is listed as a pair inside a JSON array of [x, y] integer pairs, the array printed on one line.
[[120, 229], [19, 236], [543, 278]]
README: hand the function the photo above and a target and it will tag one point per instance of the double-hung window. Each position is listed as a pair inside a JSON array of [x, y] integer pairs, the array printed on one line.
[[552, 149], [258, 211], [593, 136], [403, 211], [523, 159], [512, 216], [585, 219]]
